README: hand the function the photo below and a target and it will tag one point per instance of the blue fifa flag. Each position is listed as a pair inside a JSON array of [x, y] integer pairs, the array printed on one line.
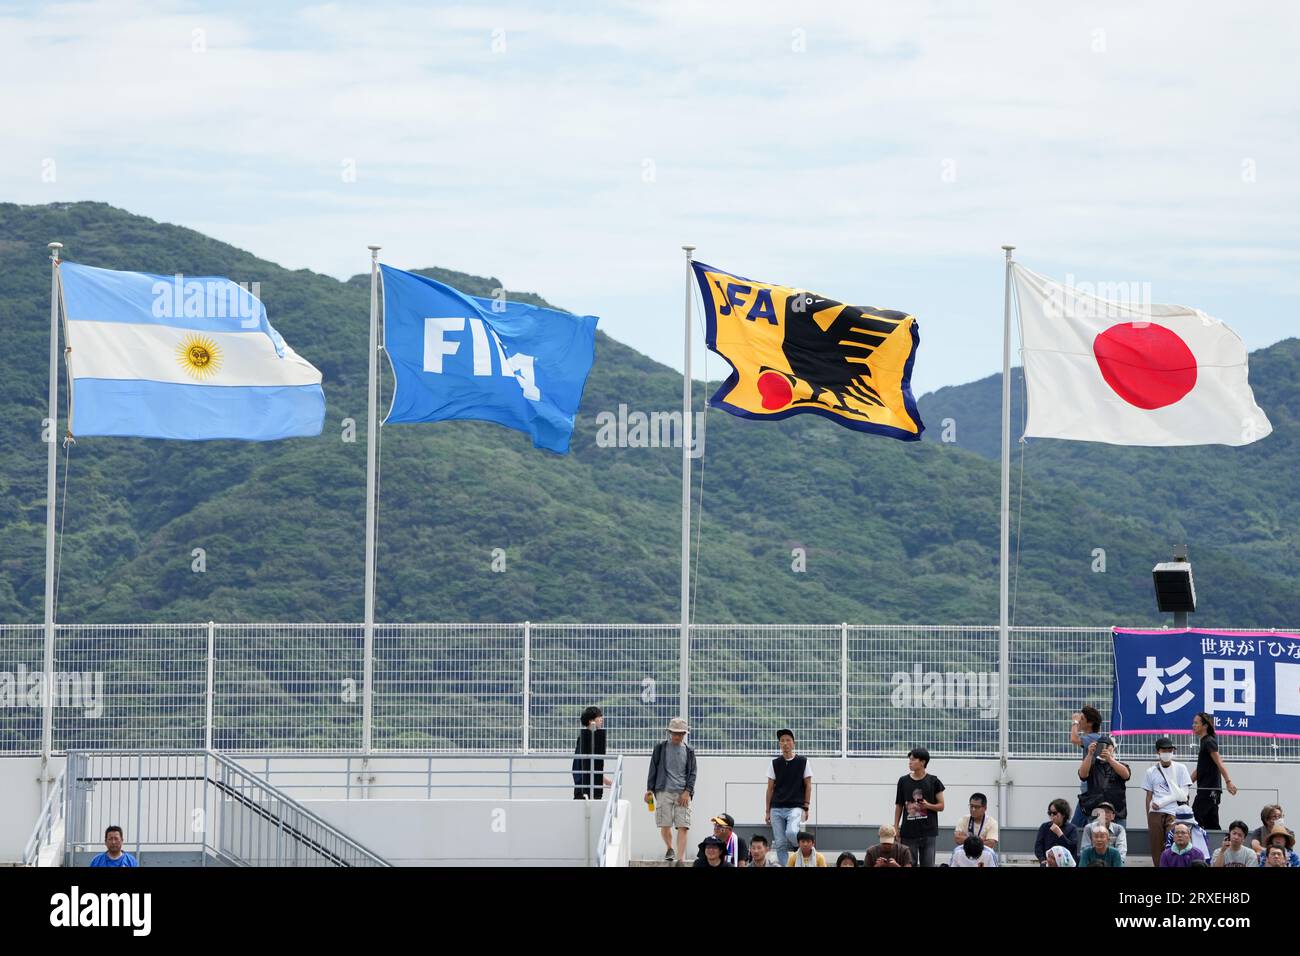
[[457, 356], [186, 357], [1248, 680]]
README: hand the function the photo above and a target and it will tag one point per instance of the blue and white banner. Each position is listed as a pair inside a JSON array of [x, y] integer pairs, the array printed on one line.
[[1249, 681], [462, 357], [188, 357]]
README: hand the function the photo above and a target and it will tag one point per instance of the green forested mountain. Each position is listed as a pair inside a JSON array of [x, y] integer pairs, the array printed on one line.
[[893, 532]]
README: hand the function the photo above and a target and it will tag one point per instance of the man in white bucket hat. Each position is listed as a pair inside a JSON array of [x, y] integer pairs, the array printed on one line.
[[671, 783]]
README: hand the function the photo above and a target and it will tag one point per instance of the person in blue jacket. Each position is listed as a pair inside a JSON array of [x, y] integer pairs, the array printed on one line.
[[113, 854]]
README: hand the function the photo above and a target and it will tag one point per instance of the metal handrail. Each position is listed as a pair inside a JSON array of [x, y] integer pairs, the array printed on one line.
[[50, 817], [611, 810], [224, 783], [296, 830], [358, 770]]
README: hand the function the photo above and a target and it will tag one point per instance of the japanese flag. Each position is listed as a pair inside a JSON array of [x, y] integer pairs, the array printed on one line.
[[1286, 679], [1131, 372]]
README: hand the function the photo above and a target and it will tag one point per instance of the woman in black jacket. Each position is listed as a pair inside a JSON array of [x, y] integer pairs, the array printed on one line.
[[1057, 831]]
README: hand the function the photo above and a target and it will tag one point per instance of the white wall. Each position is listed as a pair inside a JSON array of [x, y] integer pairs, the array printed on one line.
[[471, 832], [20, 802]]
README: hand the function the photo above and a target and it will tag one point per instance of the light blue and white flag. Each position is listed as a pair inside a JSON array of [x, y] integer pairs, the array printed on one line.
[[185, 357], [459, 356]]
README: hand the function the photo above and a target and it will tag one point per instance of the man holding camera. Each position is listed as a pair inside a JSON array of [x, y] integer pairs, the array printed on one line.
[[1105, 776]]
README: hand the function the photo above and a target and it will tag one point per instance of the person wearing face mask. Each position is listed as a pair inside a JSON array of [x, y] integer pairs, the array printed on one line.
[[1167, 785]]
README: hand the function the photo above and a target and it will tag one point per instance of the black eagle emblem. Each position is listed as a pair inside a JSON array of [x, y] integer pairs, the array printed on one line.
[[828, 344]]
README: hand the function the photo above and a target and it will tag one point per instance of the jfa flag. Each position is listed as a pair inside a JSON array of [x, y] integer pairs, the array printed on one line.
[[1131, 373], [184, 357]]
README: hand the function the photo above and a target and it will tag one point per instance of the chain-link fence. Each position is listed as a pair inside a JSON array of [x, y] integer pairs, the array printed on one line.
[[843, 689]]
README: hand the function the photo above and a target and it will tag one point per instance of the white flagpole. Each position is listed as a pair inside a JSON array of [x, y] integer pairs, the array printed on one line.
[[372, 426], [51, 488], [1004, 576], [687, 422]]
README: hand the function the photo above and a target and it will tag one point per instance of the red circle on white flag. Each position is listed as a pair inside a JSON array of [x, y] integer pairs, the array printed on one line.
[[1146, 364]]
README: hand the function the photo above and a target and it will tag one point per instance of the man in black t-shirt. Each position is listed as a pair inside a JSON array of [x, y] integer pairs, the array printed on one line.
[[789, 793], [1210, 775], [917, 803]]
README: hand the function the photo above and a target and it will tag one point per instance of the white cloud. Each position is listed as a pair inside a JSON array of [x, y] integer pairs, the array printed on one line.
[[823, 168]]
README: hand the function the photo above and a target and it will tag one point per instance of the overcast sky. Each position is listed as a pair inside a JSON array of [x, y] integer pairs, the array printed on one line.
[[874, 153]]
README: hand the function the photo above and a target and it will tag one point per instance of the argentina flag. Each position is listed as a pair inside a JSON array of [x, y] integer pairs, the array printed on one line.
[[462, 357], [182, 357]]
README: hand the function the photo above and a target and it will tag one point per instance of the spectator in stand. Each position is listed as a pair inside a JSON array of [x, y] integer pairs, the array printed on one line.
[[1085, 729], [711, 854], [977, 823], [1270, 816], [734, 850], [1234, 851], [1059, 856], [758, 851], [671, 784], [846, 859], [113, 854], [1183, 814], [1166, 786], [888, 852], [1104, 817], [973, 853], [1099, 852], [1275, 857], [1057, 831], [1210, 775], [789, 795], [918, 801], [1105, 777], [589, 778], [1181, 852], [1279, 839], [807, 854]]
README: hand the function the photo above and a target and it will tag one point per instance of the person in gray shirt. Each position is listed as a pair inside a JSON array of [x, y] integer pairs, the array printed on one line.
[[670, 784], [1234, 851]]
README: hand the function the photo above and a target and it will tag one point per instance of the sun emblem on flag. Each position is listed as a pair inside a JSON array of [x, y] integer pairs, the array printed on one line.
[[199, 356]]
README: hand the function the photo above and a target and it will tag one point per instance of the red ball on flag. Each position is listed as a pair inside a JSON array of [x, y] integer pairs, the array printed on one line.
[[775, 389], [1147, 365]]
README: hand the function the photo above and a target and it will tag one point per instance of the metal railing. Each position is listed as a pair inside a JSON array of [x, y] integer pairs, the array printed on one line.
[[49, 830], [196, 804], [410, 776], [612, 797], [846, 689]]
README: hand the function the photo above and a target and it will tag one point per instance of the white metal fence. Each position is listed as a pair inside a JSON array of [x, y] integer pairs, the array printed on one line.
[[844, 689]]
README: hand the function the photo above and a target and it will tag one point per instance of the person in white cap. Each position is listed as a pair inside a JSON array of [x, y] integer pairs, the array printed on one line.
[[671, 784]]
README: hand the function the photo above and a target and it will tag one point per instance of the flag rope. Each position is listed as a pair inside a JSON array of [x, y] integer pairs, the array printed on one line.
[[68, 442], [1020, 494]]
